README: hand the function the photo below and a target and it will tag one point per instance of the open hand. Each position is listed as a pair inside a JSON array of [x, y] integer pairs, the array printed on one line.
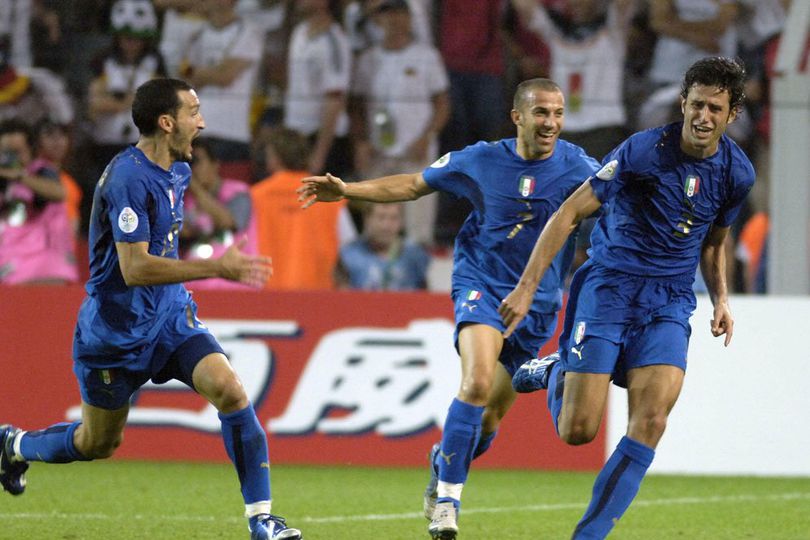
[[320, 189], [252, 270]]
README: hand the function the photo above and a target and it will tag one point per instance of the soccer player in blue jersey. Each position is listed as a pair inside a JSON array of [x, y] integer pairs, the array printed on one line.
[[514, 186], [668, 197], [138, 322]]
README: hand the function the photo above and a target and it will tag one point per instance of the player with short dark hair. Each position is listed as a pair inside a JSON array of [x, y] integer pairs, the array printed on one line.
[[669, 196], [138, 322], [514, 186]]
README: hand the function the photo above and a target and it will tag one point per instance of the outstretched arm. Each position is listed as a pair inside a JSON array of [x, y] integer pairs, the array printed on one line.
[[396, 188], [581, 204], [713, 268], [140, 268]]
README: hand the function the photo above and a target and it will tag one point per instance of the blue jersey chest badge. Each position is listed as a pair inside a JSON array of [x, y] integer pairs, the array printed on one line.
[[527, 184], [691, 185]]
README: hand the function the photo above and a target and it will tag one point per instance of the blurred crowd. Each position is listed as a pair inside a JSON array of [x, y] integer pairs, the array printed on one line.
[[358, 88]]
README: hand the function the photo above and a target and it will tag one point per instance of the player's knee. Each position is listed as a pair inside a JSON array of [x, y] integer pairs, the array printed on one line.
[[475, 389], [578, 431], [229, 395], [101, 448], [648, 427]]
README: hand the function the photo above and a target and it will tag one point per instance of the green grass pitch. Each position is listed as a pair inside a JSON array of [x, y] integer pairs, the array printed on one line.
[[178, 501]]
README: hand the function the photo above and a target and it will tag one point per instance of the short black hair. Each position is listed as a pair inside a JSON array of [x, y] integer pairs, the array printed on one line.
[[720, 71], [523, 89], [155, 98]]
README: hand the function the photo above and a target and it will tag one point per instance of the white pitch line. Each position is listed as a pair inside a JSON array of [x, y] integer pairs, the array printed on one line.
[[411, 515], [566, 506]]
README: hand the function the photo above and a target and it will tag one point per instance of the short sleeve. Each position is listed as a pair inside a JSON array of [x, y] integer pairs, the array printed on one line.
[[127, 203], [742, 177], [610, 178], [448, 174]]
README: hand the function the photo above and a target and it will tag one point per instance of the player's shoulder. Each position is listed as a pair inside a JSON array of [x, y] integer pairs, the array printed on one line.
[[487, 147], [742, 170], [643, 149], [575, 155], [459, 159], [181, 168], [646, 139], [125, 165]]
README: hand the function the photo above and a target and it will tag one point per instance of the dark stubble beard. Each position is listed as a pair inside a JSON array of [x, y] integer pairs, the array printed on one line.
[[176, 153]]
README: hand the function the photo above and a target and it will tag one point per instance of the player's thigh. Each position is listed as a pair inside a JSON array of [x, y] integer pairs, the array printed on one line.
[[479, 346], [215, 379], [584, 399], [101, 428], [501, 398], [652, 391]]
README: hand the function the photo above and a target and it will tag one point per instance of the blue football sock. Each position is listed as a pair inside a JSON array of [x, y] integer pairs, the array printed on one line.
[[614, 489], [51, 445], [556, 385], [246, 444], [484, 442], [462, 429]]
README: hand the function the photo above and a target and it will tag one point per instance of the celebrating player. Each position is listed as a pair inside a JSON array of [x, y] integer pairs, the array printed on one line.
[[138, 322], [514, 186], [670, 195]]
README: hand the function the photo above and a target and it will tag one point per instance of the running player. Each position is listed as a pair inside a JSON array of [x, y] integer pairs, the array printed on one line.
[[138, 322], [514, 186], [670, 195]]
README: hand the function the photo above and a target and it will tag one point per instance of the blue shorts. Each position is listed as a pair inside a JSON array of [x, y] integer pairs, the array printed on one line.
[[616, 322], [481, 306], [178, 348]]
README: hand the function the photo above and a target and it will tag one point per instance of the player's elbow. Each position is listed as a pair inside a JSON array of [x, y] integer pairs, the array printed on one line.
[[133, 276]]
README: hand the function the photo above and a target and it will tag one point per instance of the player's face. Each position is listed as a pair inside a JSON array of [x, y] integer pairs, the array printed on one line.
[[187, 126], [706, 114], [539, 123]]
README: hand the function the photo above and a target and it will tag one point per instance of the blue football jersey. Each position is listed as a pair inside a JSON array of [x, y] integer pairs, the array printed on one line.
[[135, 201], [659, 203], [512, 199]]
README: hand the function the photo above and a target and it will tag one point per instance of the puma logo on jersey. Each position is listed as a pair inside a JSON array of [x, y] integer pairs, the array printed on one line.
[[471, 307], [445, 457], [578, 352]]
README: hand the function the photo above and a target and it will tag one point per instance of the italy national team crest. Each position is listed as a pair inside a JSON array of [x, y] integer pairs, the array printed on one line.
[[526, 185], [691, 185], [580, 332], [172, 198], [474, 295]]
